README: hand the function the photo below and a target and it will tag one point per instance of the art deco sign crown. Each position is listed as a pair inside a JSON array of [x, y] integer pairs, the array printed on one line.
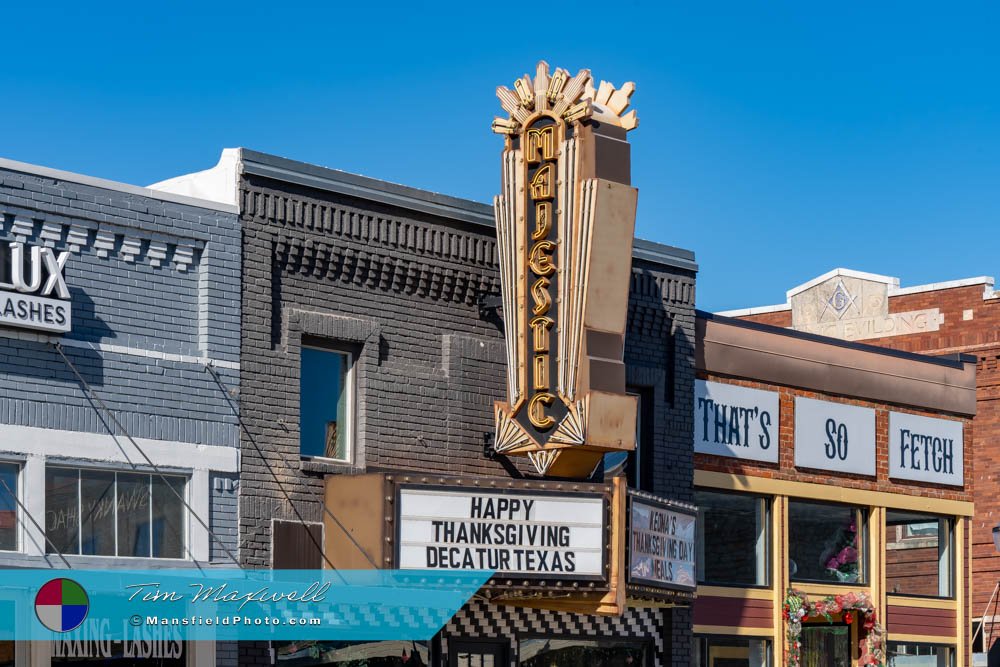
[[565, 220]]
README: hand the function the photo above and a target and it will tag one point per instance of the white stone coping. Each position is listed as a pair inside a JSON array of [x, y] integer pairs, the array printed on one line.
[[115, 449], [27, 168], [893, 286]]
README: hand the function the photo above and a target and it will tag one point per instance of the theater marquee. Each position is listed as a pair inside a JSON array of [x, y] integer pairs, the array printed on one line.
[[534, 534]]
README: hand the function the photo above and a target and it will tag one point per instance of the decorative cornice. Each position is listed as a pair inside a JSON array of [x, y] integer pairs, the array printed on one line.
[[428, 279], [375, 230], [105, 239], [664, 288], [364, 188], [323, 179]]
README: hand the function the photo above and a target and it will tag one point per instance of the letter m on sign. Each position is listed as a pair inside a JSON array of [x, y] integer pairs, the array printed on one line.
[[540, 144]]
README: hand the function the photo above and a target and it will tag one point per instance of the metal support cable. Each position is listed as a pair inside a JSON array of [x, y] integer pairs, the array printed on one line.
[[267, 463], [982, 623], [149, 461], [45, 535]]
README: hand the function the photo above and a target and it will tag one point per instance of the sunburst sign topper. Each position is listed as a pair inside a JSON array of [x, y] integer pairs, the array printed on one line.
[[565, 220]]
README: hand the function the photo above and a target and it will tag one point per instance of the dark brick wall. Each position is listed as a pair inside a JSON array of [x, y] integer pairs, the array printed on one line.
[[402, 290]]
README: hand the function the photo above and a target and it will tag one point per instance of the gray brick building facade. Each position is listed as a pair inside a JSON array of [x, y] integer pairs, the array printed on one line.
[[154, 292], [405, 281]]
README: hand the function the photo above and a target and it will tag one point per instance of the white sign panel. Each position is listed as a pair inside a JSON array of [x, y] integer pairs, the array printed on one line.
[[661, 546], [524, 533], [33, 292], [735, 421], [834, 436], [925, 449], [34, 312]]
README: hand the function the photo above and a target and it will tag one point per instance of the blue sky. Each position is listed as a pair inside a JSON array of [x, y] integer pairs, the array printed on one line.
[[777, 140]]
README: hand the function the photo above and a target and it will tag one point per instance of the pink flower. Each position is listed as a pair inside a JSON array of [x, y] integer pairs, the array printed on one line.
[[849, 555], [832, 564]]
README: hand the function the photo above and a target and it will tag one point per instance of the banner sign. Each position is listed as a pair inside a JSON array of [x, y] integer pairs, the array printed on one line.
[[147, 613], [33, 292], [925, 449], [661, 545], [735, 421], [834, 436], [532, 534]]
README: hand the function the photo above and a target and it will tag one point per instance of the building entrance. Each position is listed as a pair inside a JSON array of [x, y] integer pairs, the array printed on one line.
[[826, 646]]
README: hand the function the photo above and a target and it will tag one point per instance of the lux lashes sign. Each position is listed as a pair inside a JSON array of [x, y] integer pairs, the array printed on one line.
[[925, 449], [834, 436], [33, 292], [552, 535], [735, 421]]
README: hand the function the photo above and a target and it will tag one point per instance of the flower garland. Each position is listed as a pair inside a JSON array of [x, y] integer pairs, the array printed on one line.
[[798, 607]]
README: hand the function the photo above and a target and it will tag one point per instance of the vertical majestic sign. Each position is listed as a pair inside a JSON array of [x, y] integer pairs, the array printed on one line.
[[565, 221], [544, 407]]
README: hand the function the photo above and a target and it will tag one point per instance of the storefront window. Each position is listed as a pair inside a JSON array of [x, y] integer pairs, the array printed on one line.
[[722, 651], [97, 513], [557, 652], [734, 545], [8, 509], [325, 404], [918, 558], [826, 543], [168, 517], [920, 655], [104, 513], [353, 654]]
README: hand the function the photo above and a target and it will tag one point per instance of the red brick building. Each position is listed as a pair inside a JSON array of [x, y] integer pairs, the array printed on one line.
[[961, 316], [808, 476]]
